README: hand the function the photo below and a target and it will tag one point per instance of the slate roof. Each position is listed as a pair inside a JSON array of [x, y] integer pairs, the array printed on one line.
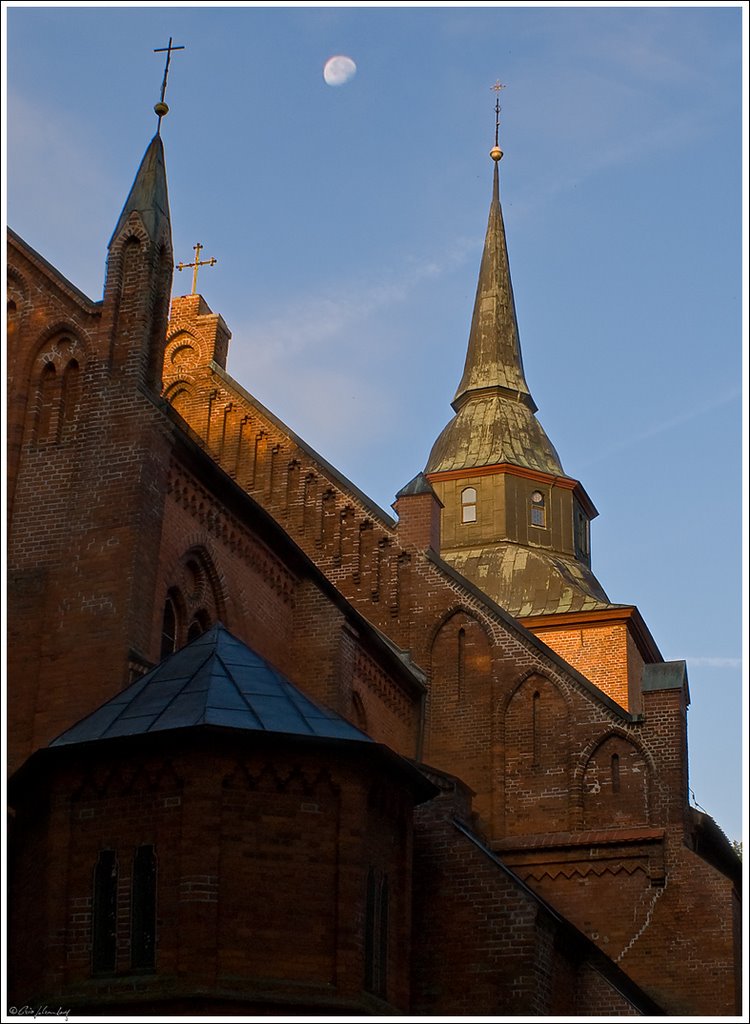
[[148, 196], [417, 485], [215, 680]]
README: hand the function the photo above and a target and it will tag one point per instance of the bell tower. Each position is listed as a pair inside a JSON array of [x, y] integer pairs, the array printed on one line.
[[513, 522]]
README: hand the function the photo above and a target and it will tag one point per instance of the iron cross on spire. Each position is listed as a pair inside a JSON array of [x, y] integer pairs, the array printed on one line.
[[496, 89], [161, 108], [198, 263], [496, 153]]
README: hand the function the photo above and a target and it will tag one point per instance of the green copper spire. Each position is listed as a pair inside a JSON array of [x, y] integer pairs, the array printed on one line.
[[493, 358], [494, 421]]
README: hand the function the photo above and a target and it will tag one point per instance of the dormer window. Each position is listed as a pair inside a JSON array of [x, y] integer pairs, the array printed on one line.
[[538, 511], [468, 505]]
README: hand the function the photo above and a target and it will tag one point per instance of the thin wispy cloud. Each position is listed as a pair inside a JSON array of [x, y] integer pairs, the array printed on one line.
[[613, 149], [50, 155], [633, 439], [709, 662], [314, 322], [644, 51]]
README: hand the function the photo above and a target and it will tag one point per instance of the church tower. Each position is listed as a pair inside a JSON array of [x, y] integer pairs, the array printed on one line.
[[513, 522], [89, 468]]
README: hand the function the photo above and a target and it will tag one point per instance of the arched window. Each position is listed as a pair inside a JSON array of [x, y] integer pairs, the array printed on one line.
[[198, 626], [104, 916], [169, 629], [71, 388], [615, 769], [377, 913], [370, 916], [143, 915], [468, 505], [383, 938], [461, 660], [47, 404], [537, 509], [581, 533]]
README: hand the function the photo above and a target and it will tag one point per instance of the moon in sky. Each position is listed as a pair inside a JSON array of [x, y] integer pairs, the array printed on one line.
[[338, 70]]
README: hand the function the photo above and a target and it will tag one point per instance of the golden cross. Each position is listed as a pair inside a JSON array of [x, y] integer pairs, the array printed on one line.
[[198, 263], [161, 107], [496, 89]]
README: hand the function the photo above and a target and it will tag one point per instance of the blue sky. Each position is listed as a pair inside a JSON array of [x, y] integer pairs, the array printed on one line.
[[348, 223]]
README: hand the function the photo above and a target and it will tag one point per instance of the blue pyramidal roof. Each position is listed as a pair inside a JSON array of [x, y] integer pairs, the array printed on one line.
[[215, 680]]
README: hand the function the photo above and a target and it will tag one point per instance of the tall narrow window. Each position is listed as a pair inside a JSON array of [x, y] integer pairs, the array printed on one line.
[[47, 404], [468, 505], [104, 917], [536, 729], [199, 625], [143, 917], [71, 392], [581, 533], [615, 767], [382, 979], [461, 666], [538, 511], [169, 629], [370, 932], [377, 915]]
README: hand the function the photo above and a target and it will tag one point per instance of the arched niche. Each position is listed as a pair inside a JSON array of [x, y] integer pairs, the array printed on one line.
[[616, 784], [537, 773]]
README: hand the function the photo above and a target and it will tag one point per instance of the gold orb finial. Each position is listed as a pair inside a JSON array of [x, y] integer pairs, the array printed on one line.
[[161, 108], [496, 153]]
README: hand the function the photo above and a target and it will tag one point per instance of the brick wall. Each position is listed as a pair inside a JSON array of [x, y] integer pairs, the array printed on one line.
[[483, 945], [262, 856], [112, 508], [605, 653]]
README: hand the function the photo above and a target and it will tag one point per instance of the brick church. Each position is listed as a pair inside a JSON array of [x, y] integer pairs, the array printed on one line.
[[273, 750]]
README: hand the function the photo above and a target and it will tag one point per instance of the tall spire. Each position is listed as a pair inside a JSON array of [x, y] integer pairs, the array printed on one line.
[[493, 359], [148, 196], [494, 422], [512, 521]]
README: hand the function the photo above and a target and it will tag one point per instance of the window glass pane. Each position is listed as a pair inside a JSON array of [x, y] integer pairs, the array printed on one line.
[[143, 920], [104, 917]]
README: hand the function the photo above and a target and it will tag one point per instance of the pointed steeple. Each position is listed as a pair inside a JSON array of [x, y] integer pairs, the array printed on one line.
[[512, 521], [494, 422], [148, 197], [138, 282], [493, 359]]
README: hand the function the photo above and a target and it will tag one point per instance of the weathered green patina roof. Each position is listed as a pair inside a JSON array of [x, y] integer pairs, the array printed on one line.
[[490, 429], [530, 581], [494, 421], [493, 358], [148, 196], [417, 485]]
